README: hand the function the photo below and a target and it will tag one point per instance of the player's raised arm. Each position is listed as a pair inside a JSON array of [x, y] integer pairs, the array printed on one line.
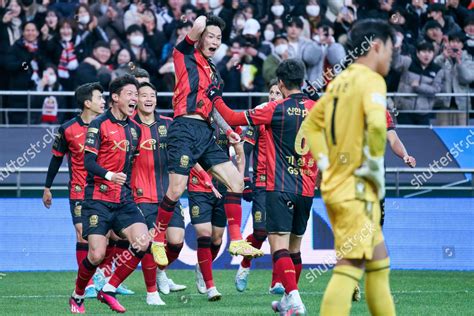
[[199, 26]]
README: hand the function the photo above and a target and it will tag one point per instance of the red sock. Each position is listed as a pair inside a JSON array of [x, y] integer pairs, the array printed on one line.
[[256, 240], [215, 250], [285, 268], [233, 211], [106, 264], [81, 252], [165, 212], [85, 273], [296, 258], [172, 253], [205, 260], [125, 265], [149, 272], [275, 276]]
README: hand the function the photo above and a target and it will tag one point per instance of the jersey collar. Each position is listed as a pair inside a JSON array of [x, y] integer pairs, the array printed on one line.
[[113, 119], [80, 121], [139, 121]]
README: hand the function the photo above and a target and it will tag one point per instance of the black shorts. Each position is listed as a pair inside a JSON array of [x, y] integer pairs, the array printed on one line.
[[190, 141], [287, 212], [258, 208], [150, 211], [205, 207], [75, 206], [98, 217]]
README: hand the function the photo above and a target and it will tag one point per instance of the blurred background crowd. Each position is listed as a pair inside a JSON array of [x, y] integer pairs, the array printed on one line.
[[56, 45]]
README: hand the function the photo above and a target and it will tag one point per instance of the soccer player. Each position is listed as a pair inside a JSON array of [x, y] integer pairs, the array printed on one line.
[[207, 213], [149, 184], [254, 143], [190, 137], [70, 141], [346, 133], [291, 174], [111, 144]]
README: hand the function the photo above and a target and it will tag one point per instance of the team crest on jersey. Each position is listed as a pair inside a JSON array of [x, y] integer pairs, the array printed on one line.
[[200, 104], [184, 161], [77, 210], [93, 220], [195, 211], [149, 144], [263, 178], [194, 180], [134, 133], [103, 188], [162, 131], [140, 192], [258, 216], [77, 188]]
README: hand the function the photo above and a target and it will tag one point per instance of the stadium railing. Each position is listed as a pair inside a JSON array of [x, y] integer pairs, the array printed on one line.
[[18, 187], [248, 95]]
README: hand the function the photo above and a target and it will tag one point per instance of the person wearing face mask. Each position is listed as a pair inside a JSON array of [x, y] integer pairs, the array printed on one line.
[[109, 17], [280, 53], [141, 52], [277, 10], [49, 104], [88, 31], [223, 10]]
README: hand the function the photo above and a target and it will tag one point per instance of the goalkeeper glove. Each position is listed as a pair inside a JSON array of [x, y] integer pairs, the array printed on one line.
[[373, 171]]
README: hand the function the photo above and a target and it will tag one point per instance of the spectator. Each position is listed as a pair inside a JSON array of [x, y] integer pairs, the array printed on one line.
[[154, 38], [115, 45], [416, 16], [34, 11], [459, 72], [248, 11], [469, 30], [343, 24], [134, 14], [48, 104], [459, 13], [433, 33], [169, 16], [88, 31], [10, 31], [279, 54], [182, 29], [24, 63], [398, 17], [418, 75], [62, 52], [436, 12], [141, 52], [189, 13], [95, 68], [109, 17], [277, 10], [304, 49], [123, 64], [218, 8], [50, 26], [238, 24], [230, 70]]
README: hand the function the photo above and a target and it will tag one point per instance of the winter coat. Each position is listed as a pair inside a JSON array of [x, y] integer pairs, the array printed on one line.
[[312, 56]]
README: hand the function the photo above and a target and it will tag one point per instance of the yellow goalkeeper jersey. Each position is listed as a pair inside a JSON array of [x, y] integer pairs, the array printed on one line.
[[348, 117]]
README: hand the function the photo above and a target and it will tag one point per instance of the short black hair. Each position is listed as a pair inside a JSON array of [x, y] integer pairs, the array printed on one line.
[[433, 25], [295, 20], [116, 85], [84, 93], [147, 84], [273, 82], [23, 26], [424, 45], [436, 7], [138, 72], [291, 72], [134, 28], [369, 30], [457, 36], [215, 21], [182, 24], [102, 44]]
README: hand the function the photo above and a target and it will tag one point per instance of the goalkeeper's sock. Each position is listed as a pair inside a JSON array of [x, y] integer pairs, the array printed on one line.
[[337, 298], [233, 211], [377, 287]]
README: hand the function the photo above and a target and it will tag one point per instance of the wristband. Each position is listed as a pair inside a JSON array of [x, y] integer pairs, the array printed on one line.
[[228, 132], [109, 175]]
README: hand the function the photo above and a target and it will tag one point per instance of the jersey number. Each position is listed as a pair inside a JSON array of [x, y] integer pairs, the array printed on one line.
[[333, 121], [301, 147]]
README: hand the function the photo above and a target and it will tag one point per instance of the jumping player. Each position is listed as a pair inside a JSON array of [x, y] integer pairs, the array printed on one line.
[[346, 133], [254, 143], [291, 174], [70, 141], [190, 137], [111, 144]]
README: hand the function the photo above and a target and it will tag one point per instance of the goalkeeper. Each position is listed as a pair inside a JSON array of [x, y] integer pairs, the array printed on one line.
[[346, 132]]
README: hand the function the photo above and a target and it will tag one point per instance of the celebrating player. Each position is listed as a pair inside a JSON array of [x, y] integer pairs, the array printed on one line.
[[111, 144], [190, 137], [254, 142], [346, 133], [291, 174], [149, 184], [70, 141]]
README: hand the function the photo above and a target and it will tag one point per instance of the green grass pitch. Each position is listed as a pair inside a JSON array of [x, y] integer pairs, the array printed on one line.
[[415, 293]]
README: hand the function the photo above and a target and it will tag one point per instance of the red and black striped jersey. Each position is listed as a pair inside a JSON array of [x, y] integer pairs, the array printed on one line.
[[390, 123], [150, 169], [115, 143], [290, 166], [194, 73], [256, 135], [70, 141]]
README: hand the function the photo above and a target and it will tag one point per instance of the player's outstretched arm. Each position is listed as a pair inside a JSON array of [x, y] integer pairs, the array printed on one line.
[[199, 26], [234, 138], [313, 130], [53, 169], [399, 149]]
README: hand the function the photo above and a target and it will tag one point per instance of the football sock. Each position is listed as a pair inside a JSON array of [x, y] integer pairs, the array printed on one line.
[[125, 266], [233, 211], [149, 272], [377, 287], [337, 298], [296, 258], [172, 253], [285, 268], [215, 250], [256, 239], [107, 264], [205, 260], [85, 273], [165, 213], [81, 252]]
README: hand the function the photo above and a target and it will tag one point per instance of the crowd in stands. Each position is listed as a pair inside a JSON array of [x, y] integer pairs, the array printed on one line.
[[57, 45]]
